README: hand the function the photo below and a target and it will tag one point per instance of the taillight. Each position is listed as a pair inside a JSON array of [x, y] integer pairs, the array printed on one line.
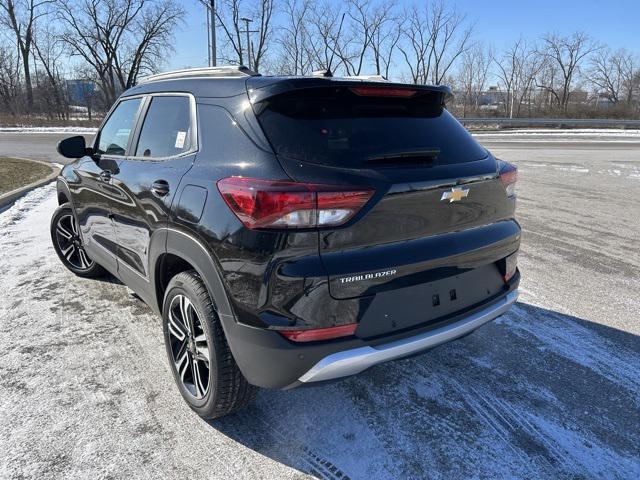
[[509, 177], [318, 334], [282, 204]]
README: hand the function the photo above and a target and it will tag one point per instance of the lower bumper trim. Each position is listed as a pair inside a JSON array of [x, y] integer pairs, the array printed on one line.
[[351, 362]]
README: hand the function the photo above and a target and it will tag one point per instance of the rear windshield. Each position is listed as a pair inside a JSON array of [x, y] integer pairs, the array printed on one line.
[[337, 127]]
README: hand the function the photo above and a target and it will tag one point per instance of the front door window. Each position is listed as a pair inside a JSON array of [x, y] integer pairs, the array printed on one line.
[[115, 134]]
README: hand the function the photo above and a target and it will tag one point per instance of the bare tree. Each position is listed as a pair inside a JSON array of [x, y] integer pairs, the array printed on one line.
[[119, 39], [416, 44], [9, 78], [294, 40], [21, 16], [564, 57], [48, 49], [372, 32], [434, 38], [385, 38], [230, 19], [473, 74], [517, 69], [327, 35], [451, 37], [351, 48], [369, 32], [612, 74]]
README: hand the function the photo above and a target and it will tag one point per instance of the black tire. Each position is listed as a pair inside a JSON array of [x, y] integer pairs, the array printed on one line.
[[226, 390], [67, 242]]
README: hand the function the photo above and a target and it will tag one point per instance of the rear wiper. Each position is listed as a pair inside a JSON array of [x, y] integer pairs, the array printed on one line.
[[405, 157]]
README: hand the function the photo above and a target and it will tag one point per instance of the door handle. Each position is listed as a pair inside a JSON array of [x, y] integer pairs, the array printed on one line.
[[160, 187], [105, 176]]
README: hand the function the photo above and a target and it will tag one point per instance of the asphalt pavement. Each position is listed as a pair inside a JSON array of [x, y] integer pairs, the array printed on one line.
[[37, 146], [549, 390]]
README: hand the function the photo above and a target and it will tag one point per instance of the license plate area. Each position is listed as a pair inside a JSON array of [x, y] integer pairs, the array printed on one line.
[[393, 311]]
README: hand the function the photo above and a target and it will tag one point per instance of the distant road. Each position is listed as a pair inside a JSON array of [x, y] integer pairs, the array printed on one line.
[[38, 146]]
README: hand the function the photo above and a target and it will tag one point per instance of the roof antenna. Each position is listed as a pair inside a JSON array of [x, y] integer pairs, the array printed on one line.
[[327, 72]]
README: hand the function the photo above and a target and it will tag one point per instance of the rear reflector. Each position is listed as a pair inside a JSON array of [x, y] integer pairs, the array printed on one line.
[[282, 204], [509, 177], [317, 334], [383, 92]]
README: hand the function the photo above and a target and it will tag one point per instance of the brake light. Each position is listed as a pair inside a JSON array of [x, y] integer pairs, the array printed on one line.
[[318, 334], [509, 177], [282, 204], [383, 92]]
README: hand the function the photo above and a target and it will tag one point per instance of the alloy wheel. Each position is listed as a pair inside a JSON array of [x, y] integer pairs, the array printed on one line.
[[70, 243], [189, 346]]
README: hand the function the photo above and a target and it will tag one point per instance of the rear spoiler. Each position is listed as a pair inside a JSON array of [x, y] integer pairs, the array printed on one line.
[[262, 88]]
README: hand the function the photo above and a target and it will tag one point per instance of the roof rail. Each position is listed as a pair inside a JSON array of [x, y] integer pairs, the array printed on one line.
[[205, 72]]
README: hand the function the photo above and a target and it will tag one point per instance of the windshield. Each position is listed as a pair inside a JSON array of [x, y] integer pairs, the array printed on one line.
[[337, 127]]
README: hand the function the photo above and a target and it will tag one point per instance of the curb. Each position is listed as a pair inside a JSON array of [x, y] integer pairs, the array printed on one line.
[[8, 198]]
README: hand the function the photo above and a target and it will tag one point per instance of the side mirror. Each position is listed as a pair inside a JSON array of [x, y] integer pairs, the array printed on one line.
[[73, 147]]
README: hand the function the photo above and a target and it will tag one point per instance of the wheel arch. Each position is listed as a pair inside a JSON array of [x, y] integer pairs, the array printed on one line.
[[175, 251], [63, 192]]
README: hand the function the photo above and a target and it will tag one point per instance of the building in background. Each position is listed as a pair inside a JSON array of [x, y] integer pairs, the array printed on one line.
[[81, 92]]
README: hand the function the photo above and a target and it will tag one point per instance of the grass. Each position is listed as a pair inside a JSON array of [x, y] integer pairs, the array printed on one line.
[[16, 173]]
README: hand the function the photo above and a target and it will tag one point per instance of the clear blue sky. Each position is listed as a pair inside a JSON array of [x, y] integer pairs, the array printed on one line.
[[498, 22]]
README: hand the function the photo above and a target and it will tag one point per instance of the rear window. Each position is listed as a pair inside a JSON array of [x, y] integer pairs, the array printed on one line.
[[335, 126]]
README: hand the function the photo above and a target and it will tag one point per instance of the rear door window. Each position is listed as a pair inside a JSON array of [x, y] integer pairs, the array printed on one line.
[[166, 131], [335, 126], [116, 132]]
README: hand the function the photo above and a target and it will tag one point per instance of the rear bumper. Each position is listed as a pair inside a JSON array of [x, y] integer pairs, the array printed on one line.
[[350, 362], [269, 360]]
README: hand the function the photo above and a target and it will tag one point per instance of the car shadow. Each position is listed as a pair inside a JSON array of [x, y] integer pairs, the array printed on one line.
[[534, 394]]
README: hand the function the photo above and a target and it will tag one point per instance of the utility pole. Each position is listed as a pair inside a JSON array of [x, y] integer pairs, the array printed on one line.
[[208, 40], [246, 22], [211, 30], [212, 12]]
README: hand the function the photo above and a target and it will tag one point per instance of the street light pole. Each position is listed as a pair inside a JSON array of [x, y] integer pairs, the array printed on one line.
[[246, 22]]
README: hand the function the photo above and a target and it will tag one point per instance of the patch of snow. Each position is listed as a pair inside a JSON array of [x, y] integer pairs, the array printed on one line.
[[89, 130], [597, 132], [571, 168]]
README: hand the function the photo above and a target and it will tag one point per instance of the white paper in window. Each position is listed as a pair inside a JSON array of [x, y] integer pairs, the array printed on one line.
[[180, 138]]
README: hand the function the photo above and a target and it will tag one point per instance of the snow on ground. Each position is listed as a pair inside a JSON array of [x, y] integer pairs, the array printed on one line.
[[86, 130], [555, 136], [551, 132], [543, 392]]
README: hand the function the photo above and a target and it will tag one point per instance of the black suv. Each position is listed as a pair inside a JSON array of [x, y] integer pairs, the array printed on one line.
[[290, 230]]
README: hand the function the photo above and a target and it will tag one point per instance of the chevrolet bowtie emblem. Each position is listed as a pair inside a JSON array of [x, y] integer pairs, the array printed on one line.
[[455, 194]]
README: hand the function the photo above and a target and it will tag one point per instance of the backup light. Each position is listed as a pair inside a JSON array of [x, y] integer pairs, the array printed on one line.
[[276, 204]]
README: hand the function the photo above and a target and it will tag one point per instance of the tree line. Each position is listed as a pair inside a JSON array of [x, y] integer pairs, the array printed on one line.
[[113, 43], [107, 43]]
